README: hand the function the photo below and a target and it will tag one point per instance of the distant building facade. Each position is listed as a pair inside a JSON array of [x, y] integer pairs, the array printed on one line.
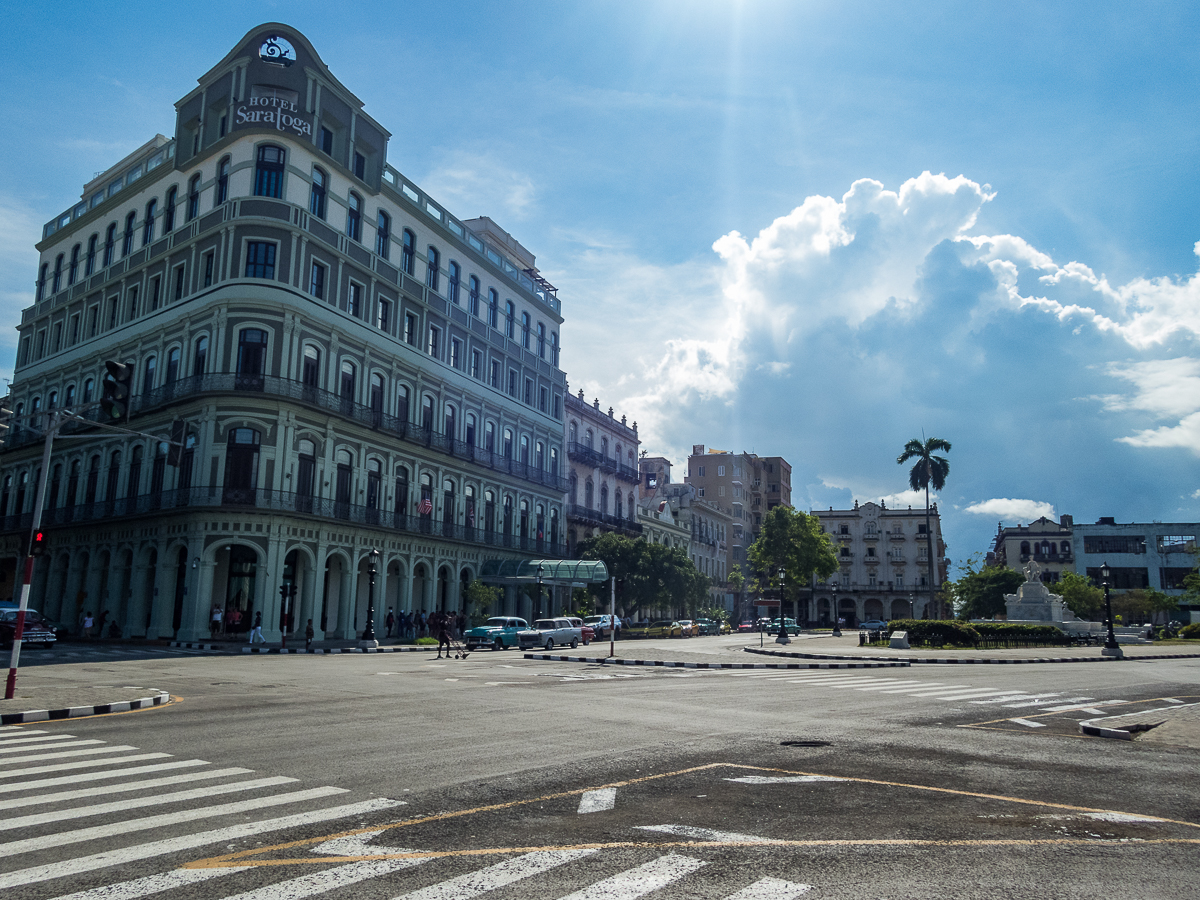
[[884, 561], [1046, 542], [602, 485]]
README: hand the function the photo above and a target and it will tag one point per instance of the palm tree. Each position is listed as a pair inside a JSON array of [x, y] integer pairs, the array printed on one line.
[[929, 470]]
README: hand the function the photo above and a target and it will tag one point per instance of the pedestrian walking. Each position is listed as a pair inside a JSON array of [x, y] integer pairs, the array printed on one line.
[[256, 631], [390, 621], [215, 621], [443, 634], [88, 622], [308, 635]]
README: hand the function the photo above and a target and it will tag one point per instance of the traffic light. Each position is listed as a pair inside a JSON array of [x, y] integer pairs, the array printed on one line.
[[5, 424], [115, 400], [37, 546], [175, 448]]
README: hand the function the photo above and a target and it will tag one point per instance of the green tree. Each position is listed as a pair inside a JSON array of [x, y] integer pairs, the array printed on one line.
[[929, 471], [1143, 605], [737, 581], [979, 592], [797, 543], [1080, 594], [480, 598], [583, 603], [649, 576]]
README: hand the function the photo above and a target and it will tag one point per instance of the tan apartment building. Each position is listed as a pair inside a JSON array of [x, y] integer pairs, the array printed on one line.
[[602, 485]]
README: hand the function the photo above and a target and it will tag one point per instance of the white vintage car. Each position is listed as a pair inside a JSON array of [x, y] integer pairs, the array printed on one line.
[[547, 633]]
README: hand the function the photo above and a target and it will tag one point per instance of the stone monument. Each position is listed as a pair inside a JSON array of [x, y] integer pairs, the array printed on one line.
[[1033, 604]]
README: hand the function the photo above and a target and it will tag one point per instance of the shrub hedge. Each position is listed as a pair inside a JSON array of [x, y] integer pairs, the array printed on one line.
[[1043, 634], [936, 632], [1191, 632]]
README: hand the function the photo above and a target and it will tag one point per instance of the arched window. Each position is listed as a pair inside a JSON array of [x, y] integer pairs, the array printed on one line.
[[402, 411], [525, 322], [148, 225], [432, 268], [268, 172], [52, 400], [539, 459], [200, 356], [631, 516], [524, 450], [383, 234], [169, 210], [510, 315], [148, 374], [469, 435], [41, 282], [58, 266], [617, 503], [110, 243], [69, 396], [573, 433], [134, 485], [172, 372], [93, 479], [89, 388], [553, 470], [73, 270], [588, 439], [554, 348], [114, 473], [127, 242], [508, 443], [493, 307], [374, 482], [604, 499], [587, 494], [427, 413], [508, 513], [408, 251], [354, 217], [343, 485], [469, 507], [347, 383], [251, 359], [1024, 548], [306, 475], [604, 446], [453, 276], [241, 466], [425, 509], [1065, 548], [450, 420], [401, 498], [573, 489], [193, 200], [473, 296], [222, 182], [316, 196], [310, 367], [541, 340], [90, 266], [489, 437]]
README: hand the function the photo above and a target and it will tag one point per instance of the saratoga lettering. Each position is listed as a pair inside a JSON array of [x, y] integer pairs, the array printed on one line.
[[273, 111]]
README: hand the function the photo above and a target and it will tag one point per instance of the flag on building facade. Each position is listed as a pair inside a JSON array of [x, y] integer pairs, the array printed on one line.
[[426, 507]]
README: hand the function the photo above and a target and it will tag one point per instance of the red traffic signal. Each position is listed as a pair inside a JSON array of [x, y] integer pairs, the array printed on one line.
[[37, 546]]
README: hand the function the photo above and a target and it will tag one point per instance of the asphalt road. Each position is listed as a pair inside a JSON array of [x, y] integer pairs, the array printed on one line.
[[403, 776]]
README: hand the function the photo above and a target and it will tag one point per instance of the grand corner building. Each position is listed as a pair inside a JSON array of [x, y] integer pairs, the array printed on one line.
[[354, 369]]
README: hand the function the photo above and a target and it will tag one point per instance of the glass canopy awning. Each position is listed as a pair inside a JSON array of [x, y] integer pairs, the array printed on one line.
[[577, 572]]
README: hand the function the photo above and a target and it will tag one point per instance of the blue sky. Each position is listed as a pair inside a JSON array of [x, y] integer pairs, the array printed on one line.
[[808, 228]]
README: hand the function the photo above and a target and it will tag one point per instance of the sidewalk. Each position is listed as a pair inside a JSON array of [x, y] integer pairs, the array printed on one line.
[[1174, 725]]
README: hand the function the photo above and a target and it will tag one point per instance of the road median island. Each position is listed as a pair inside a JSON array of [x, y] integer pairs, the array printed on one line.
[[673, 664], [46, 703], [991, 660]]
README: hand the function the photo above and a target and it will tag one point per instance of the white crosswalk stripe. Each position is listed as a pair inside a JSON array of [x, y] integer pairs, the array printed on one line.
[[500, 875], [651, 876], [101, 790]]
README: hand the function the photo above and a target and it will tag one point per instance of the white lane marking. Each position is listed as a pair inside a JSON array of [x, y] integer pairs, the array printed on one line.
[[891, 682], [925, 687], [164, 847], [120, 748], [79, 764], [29, 845], [848, 682], [1091, 710], [1028, 723], [658, 873], [704, 834], [782, 779], [43, 745], [322, 882], [771, 889], [943, 694], [11, 741], [353, 845], [151, 884], [1043, 699], [1173, 700], [1120, 817], [504, 873], [597, 800], [1012, 695], [1085, 707], [99, 809], [106, 789]]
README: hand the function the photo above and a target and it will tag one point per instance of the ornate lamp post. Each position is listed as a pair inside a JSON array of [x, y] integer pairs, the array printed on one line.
[[1111, 648], [783, 635], [368, 635], [837, 628], [537, 610]]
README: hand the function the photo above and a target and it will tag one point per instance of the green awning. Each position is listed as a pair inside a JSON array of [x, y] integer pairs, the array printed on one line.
[[554, 571]]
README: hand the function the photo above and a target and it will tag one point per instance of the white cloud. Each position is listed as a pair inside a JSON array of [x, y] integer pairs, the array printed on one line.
[[1186, 434], [1166, 389], [481, 186], [1012, 510]]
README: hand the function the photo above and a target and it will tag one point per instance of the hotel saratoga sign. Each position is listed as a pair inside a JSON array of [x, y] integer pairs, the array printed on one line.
[[273, 107]]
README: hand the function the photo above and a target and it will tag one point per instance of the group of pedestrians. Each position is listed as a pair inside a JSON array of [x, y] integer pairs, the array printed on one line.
[[412, 625]]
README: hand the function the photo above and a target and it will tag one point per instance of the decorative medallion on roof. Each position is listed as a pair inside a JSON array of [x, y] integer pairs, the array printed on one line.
[[277, 51]]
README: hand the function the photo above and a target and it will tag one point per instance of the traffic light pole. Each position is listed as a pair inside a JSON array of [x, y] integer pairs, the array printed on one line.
[[40, 499]]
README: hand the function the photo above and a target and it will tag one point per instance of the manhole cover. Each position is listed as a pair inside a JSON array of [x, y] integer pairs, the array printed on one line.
[[804, 743]]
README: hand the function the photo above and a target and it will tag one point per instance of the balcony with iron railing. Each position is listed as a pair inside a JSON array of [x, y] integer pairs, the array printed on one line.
[[266, 500], [585, 515], [269, 385]]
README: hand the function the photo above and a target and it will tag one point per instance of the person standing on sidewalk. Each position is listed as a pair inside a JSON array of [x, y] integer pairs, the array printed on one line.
[[215, 621], [390, 621], [256, 631], [308, 635]]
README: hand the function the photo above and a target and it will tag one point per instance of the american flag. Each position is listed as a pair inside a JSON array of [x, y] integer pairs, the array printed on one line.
[[426, 506]]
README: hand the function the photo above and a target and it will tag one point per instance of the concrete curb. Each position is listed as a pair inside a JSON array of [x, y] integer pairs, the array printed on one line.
[[663, 664], [934, 661], [327, 650], [74, 712], [180, 645], [1119, 734]]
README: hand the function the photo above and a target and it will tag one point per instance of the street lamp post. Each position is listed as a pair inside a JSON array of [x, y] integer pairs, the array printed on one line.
[[368, 635], [537, 608], [1111, 648], [783, 635], [837, 613]]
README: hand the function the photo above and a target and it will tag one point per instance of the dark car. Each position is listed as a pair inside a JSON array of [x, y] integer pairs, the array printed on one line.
[[37, 631]]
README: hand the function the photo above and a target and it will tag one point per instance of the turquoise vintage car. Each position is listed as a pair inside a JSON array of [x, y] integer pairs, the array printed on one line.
[[498, 632]]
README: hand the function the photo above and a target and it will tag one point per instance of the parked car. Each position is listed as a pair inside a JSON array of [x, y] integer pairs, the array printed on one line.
[[748, 626], [725, 628], [602, 625], [588, 633], [548, 632], [874, 625], [498, 632], [636, 629], [688, 628], [707, 626], [789, 624], [37, 631], [664, 628]]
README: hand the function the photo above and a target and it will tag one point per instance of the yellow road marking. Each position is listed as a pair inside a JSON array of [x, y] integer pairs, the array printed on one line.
[[234, 858]]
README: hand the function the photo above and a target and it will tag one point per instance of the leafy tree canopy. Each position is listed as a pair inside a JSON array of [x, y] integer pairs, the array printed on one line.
[[649, 575], [795, 541], [979, 593], [1080, 594]]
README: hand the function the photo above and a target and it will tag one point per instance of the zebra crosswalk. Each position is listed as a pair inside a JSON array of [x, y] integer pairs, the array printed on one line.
[[105, 821], [904, 686]]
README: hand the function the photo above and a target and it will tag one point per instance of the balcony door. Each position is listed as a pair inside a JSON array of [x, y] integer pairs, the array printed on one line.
[[241, 467]]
